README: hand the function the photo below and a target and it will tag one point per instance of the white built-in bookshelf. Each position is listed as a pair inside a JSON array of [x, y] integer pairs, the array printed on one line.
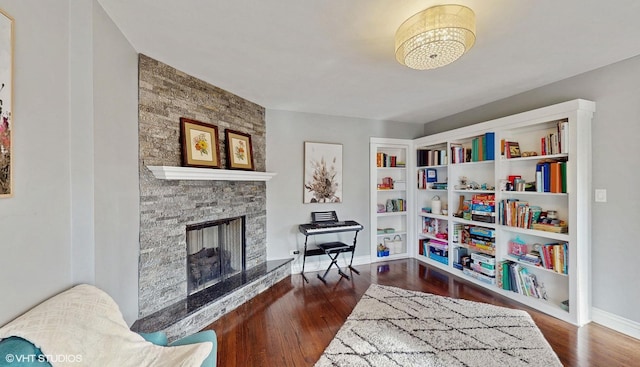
[[391, 198], [510, 190]]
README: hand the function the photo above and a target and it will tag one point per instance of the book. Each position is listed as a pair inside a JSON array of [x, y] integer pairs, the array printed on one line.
[[490, 145], [481, 231], [555, 184], [563, 177], [563, 133], [546, 176]]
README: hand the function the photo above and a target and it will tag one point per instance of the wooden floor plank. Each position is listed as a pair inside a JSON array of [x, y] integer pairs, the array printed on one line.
[[293, 322]]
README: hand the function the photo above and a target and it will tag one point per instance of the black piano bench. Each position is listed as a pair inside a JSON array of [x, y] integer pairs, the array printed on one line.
[[333, 250]]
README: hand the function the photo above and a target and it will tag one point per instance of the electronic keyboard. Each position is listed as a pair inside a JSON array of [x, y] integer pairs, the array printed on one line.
[[329, 227]]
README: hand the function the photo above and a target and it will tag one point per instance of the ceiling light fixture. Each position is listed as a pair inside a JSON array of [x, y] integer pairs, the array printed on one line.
[[435, 37]]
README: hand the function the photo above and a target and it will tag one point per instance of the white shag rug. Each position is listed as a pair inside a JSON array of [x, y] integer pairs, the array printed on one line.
[[396, 327]]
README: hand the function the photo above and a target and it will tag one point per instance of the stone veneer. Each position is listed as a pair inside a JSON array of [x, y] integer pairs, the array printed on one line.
[[166, 207]]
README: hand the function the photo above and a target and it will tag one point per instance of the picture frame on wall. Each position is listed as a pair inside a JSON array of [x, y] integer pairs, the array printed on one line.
[[6, 104], [239, 150], [199, 144], [322, 173]]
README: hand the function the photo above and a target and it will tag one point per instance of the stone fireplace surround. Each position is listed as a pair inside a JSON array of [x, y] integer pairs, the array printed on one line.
[[168, 206]]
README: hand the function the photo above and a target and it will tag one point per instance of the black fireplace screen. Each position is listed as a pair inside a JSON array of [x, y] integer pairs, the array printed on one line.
[[215, 251]]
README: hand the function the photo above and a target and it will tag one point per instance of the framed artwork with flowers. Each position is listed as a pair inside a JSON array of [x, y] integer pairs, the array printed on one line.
[[322, 173], [239, 150], [6, 102], [199, 141]]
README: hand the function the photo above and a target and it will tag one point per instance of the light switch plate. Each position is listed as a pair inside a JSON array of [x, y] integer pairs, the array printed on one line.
[[601, 195]]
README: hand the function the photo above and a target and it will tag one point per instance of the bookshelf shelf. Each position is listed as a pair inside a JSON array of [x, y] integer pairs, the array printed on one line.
[[534, 158], [473, 222], [436, 216], [391, 168], [474, 191], [475, 152], [391, 214], [403, 232], [557, 194], [479, 163], [533, 232], [429, 236]]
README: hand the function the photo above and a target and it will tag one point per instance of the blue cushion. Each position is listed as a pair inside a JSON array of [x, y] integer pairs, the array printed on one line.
[[157, 338], [202, 336], [17, 352]]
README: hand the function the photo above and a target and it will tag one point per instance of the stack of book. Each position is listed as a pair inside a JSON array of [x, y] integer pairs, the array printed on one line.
[[460, 153], [556, 142], [431, 157], [387, 160], [482, 238], [397, 205], [516, 213], [483, 208], [480, 266], [515, 277], [483, 148], [426, 176], [551, 176], [554, 256]]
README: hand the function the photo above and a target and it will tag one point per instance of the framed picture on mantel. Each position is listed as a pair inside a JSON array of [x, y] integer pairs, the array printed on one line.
[[239, 150], [199, 142]]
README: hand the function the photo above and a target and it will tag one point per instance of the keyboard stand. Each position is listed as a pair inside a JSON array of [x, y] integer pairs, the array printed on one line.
[[331, 249]]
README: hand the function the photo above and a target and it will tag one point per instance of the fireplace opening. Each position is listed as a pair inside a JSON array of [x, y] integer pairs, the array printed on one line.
[[215, 252]]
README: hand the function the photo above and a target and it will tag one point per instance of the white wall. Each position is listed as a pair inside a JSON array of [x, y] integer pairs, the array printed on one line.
[[615, 130], [286, 134], [117, 194], [35, 228], [73, 217]]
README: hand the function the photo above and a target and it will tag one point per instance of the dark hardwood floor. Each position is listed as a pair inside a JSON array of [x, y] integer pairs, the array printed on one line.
[[293, 322]]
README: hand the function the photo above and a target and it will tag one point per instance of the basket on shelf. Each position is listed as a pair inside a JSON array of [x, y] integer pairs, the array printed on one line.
[[394, 244]]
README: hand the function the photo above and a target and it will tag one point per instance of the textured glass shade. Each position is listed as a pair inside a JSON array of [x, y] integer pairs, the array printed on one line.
[[435, 37]]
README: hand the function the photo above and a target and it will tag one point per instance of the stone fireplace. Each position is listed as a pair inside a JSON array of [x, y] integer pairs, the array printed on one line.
[[169, 208]]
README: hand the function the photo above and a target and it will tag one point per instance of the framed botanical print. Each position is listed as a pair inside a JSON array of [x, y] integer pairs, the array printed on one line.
[[6, 103], [199, 143], [239, 150], [322, 173]]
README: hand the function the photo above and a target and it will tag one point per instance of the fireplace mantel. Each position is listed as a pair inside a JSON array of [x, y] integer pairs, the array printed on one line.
[[192, 173]]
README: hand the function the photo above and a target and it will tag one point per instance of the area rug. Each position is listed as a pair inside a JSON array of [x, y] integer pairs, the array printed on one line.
[[396, 327]]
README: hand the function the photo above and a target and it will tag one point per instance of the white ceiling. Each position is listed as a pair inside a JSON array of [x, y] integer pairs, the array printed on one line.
[[336, 57]]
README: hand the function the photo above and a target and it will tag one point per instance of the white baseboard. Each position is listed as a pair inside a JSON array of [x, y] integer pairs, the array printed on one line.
[[616, 322], [320, 263]]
